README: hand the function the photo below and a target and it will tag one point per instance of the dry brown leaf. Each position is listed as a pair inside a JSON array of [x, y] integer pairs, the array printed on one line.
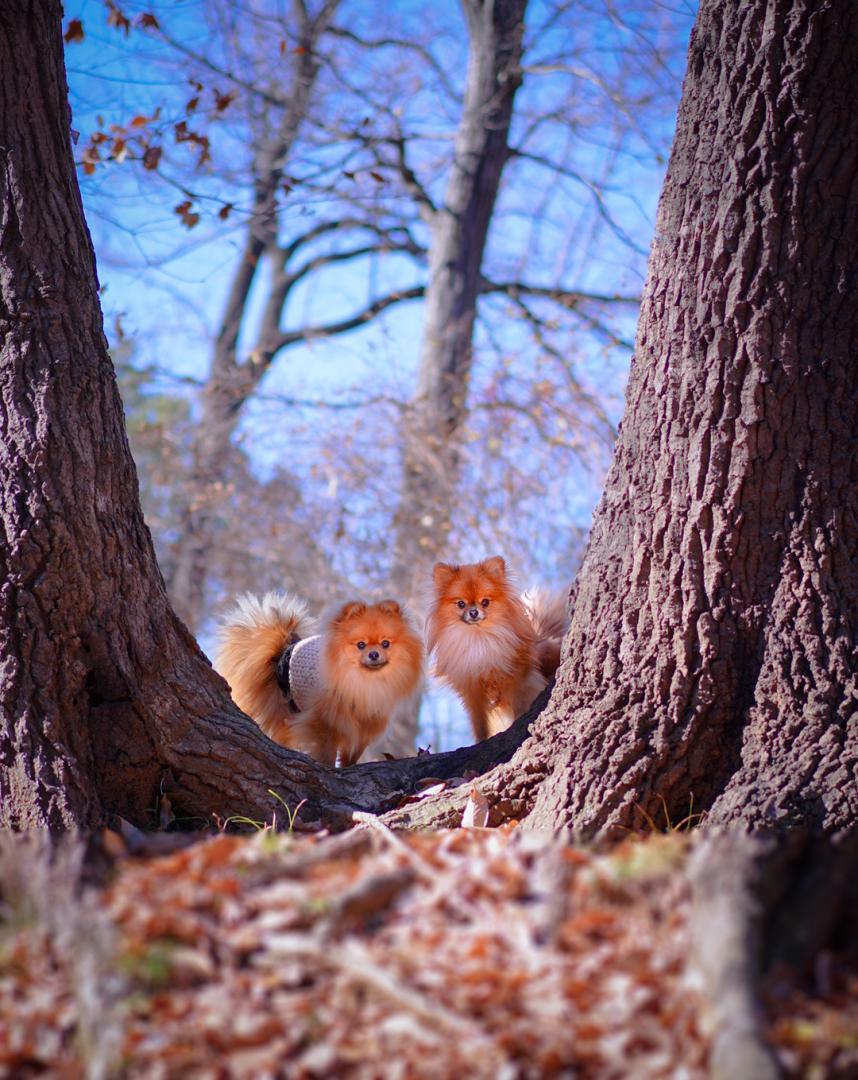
[[116, 17], [74, 31], [187, 217], [151, 157]]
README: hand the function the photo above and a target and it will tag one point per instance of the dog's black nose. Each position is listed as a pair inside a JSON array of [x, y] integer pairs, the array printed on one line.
[[373, 655], [474, 613]]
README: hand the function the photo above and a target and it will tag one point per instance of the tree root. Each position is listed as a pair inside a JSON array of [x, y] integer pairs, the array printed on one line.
[[242, 767]]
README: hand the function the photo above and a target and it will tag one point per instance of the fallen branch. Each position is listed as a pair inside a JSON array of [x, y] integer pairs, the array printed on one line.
[[724, 915]]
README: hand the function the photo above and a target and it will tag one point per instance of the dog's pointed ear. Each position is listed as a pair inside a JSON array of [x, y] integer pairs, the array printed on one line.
[[495, 567], [442, 574], [389, 607], [349, 611]]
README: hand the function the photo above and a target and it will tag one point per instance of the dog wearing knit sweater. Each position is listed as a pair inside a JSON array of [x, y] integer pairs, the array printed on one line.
[[328, 693]]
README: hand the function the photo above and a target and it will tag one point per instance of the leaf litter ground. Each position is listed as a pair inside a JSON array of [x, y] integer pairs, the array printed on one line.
[[472, 953]]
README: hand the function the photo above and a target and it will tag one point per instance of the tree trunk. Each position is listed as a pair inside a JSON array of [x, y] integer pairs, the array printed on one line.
[[231, 382], [459, 232], [106, 701], [711, 662]]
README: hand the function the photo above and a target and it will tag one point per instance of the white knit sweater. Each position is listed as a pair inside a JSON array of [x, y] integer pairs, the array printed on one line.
[[305, 670]]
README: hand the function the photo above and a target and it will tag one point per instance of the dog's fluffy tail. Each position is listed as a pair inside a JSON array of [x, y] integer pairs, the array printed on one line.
[[549, 616], [250, 641]]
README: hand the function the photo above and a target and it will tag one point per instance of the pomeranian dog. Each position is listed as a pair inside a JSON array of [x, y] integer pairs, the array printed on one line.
[[328, 694], [257, 653], [372, 658], [496, 648]]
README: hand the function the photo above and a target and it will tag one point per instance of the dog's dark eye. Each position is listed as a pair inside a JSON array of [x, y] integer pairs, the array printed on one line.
[[461, 604], [485, 603], [385, 644], [361, 644]]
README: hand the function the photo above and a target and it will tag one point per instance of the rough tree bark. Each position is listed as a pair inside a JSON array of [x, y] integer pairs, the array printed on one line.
[[712, 654]]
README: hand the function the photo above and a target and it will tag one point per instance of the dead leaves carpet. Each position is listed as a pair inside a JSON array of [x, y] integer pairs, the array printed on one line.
[[470, 953]]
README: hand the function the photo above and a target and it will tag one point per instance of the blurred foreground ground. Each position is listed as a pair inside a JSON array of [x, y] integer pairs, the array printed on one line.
[[467, 953]]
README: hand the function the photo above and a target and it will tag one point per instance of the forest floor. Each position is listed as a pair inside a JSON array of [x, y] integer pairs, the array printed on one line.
[[478, 953]]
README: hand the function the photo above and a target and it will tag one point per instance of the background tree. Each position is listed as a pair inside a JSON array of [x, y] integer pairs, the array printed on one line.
[[459, 231], [103, 693], [275, 122]]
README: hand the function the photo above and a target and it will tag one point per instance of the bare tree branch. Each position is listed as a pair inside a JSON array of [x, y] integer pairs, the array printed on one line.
[[598, 197], [571, 299], [424, 203], [353, 253], [323, 228], [360, 318], [582, 395], [400, 43], [206, 62]]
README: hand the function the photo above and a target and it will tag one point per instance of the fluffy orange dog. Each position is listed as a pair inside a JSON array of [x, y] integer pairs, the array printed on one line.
[[497, 649], [371, 660], [328, 694]]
